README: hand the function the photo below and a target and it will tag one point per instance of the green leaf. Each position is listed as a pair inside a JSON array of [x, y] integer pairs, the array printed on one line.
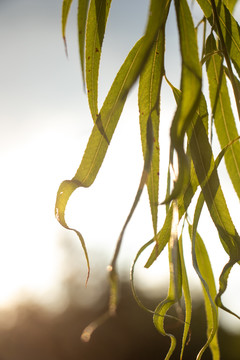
[[175, 286], [187, 298], [206, 171], [82, 20], [132, 276], [96, 147], [223, 117], [190, 92], [65, 10], [162, 238], [209, 181], [148, 99], [229, 26], [230, 4], [96, 25], [203, 269]]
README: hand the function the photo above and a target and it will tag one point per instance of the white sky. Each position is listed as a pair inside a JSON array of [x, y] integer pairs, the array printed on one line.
[[44, 127]]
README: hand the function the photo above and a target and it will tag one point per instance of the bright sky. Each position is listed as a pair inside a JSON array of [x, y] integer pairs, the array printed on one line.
[[45, 124]]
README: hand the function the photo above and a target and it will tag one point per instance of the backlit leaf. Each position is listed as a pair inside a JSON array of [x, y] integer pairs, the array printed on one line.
[[203, 269], [190, 91], [208, 178], [82, 20], [148, 99], [96, 24], [229, 26], [223, 117], [65, 10], [175, 285]]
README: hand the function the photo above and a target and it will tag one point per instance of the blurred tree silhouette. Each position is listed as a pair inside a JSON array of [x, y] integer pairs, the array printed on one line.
[[35, 333]]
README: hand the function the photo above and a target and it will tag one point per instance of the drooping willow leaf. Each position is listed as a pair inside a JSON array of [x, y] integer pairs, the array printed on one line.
[[148, 100], [82, 20], [65, 11], [187, 297], [223, 117], [95, 30], [203, 269], [162, 238], [229, 26], [96, 148], [109, 115], [208, 178], [175, 284], [190, 91]]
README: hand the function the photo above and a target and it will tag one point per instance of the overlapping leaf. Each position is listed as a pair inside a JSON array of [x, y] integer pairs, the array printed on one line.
[[111, 110], [196, 164], [229, 26], [203, 268], [208, 179], [190, 88], [221, 109], [175, 284]]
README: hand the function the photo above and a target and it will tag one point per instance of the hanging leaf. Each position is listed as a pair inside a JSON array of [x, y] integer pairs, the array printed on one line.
[[65, 10], [190, 92], [175, 286], [208, 179], [148, 100], [82, 20], [162, 238], [229, 26], [95, 30], [187, 298], [221, 109], [203, 269]]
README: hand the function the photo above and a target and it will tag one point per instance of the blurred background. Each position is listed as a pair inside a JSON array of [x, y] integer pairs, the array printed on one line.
[[44, 128]]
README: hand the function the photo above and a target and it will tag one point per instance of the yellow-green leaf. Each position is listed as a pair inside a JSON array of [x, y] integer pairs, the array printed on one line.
[[203, 268], [65, 10], [162, 238], [175, 286], [206, 170], [229, 26], [221, 109], [191, 80], [187, 298], [82, 20], [96, 24], [148, 100]]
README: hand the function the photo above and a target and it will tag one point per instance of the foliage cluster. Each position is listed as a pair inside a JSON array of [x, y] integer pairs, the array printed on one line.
[[192, 164]]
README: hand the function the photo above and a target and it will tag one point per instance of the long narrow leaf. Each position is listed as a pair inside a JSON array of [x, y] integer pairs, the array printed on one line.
[[96, 24], [229, 27], [187, 298], [162, 238], [203, 269], [65, 10], [148, 99], [175, 287], [82, 20], [190, 88], [223, 117], [208, 178]]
